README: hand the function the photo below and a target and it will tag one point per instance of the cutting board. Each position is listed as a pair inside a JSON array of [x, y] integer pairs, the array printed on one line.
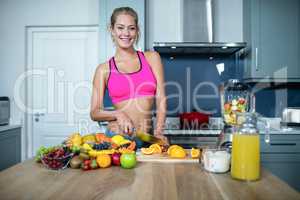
[[164, 158]]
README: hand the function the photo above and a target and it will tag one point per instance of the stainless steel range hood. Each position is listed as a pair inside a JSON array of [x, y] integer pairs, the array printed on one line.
[[197, 32]]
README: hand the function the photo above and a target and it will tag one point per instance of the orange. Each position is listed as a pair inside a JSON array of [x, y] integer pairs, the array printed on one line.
[[147, 151], [195, 153], [174, 146], [156, 147], [178, 153], [103, 160]]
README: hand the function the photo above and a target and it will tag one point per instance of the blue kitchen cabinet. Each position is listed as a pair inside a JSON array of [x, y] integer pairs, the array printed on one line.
[[272, 32], [10, 147], [281, 156]]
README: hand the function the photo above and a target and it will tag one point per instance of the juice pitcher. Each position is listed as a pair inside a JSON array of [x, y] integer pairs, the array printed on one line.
[[245, 162]]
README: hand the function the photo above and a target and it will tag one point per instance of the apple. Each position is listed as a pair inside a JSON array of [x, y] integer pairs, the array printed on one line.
[[128, 160], [116, 159]]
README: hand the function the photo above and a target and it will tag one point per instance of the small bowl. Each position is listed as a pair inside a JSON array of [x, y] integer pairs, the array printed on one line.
[[215, 160], [56, 163]]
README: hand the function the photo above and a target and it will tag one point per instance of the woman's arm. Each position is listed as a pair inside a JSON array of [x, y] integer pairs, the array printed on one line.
[[97, 112], [157, 68]]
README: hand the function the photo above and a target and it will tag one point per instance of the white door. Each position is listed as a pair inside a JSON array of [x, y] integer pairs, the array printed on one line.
[[62, 61]]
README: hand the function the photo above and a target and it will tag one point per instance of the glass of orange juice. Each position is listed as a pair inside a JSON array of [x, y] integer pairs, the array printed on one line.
[[245, 161]]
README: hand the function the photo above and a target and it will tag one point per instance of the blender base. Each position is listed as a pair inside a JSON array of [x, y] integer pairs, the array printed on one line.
[[225, 137]]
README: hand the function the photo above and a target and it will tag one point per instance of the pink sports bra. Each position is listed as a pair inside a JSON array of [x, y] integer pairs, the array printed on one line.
[[123, 86]]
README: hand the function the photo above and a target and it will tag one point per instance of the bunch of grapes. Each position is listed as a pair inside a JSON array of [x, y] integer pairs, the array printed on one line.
[[102, 146], [42, 151], [56, 159]]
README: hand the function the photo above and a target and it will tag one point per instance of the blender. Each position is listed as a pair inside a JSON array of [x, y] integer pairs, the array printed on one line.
[[236, 97]]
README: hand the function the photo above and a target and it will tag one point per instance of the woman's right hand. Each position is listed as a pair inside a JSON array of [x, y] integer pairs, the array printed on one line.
[[124, 123]]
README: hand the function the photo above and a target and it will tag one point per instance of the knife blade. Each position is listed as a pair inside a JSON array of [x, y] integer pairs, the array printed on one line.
[[146, 137]]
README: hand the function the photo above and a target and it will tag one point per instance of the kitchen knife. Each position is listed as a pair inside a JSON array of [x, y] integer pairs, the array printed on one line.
[[146, 137]]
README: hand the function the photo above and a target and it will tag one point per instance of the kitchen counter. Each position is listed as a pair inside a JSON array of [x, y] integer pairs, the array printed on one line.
[[29, 180], [9, 127]]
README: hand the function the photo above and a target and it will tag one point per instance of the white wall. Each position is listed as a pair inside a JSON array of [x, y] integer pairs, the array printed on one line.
[[15, 15]]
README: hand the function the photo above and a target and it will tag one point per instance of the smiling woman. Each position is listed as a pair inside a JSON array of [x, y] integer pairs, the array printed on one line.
[[134, 80]]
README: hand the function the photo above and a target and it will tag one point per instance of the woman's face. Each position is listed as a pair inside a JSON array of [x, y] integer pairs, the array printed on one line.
[[124, 31]]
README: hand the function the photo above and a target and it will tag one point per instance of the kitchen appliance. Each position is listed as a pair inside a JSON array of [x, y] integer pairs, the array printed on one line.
[[194, 120], [236, 98], [197, 31], [4, 111], [291, 116]]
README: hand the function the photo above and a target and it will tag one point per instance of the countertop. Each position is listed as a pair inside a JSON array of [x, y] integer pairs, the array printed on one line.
[[9, 127], [29, 180]]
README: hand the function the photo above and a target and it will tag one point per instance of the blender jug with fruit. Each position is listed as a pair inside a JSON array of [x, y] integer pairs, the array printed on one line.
[[236, 97]]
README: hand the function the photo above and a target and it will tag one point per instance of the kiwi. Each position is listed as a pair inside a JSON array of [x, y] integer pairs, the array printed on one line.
[[83, 150], [84, 156], [75, 162]]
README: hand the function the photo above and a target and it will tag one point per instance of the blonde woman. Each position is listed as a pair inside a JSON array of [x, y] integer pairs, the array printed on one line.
[[134, 80]]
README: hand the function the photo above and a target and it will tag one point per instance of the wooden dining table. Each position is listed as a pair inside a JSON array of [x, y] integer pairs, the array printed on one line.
[[148, 180]]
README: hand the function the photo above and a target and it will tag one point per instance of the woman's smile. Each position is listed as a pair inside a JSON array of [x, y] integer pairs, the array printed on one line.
[[125, 31]]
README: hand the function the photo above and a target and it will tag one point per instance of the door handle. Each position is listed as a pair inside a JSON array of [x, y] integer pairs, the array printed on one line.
[[256, 59], [39, 114]]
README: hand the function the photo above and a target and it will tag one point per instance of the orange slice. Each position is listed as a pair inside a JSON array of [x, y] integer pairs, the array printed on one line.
[[178, 153], [156, 147], [147, 151], [174, 146], [195, 153]]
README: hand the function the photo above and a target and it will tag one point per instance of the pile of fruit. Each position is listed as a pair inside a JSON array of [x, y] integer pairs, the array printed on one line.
[[174, 151], [232, 107], [91, 151]]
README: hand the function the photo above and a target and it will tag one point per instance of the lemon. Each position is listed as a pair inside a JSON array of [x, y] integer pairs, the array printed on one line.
[[117, 139]]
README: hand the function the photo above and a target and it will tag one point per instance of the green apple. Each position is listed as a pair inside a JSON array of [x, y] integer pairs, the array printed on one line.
[[128, 160]]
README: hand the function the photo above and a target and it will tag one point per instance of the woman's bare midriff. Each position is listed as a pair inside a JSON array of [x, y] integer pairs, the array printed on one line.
[[139, 110]]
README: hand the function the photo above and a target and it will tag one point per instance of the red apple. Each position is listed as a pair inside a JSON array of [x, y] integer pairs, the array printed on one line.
[[116, 159]]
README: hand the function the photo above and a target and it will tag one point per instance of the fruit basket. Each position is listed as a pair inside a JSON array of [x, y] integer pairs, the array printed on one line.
[[57, 159]]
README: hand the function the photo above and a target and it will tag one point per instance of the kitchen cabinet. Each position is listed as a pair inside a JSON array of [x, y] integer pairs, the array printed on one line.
[[10, 146], [106, 8], [272, 32], [281, 156]]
